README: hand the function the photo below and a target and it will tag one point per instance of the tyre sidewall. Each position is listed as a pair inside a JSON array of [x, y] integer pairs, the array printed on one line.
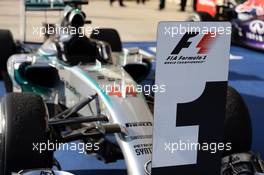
[[21, 131]]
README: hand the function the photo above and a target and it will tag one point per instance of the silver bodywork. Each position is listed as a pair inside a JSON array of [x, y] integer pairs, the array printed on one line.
[[78, 82]]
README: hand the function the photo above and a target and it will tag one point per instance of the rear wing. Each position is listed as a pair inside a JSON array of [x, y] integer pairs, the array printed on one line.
[[37, 6], [44, 5], [48, 5]]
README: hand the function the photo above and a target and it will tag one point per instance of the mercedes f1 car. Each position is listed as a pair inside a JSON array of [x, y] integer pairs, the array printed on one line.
[[247, 18], [78, 89]]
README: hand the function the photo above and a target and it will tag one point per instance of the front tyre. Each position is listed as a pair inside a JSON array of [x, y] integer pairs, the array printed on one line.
[[23, 119], [237, 126], [7, 49]]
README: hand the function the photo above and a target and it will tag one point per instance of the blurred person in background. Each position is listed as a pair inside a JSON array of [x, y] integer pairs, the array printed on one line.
[[120, 3], [194, 5], [162, 5], [183, 5], [139, 1]]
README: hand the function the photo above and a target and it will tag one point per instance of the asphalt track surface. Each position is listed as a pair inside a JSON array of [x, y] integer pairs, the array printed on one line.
[[246, 75]]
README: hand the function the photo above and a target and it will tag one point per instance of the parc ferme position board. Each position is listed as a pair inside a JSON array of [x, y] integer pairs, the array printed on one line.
[[192, 61]]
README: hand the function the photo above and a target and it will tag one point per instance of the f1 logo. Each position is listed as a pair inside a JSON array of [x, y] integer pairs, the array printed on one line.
[[203, 45]]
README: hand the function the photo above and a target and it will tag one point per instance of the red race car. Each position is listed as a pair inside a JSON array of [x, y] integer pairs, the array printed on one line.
[[247, 18]]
